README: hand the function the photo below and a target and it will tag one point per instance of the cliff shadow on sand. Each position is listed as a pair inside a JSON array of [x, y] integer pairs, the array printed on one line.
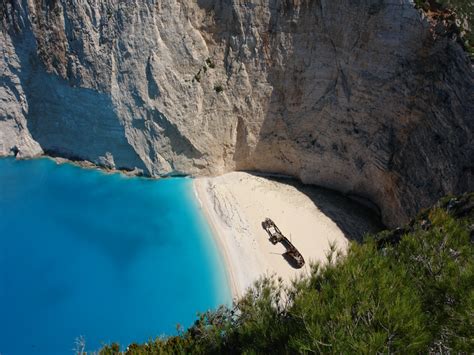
[[354, 219]]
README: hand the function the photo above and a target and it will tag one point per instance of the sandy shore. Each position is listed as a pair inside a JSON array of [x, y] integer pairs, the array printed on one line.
[[235, 205]]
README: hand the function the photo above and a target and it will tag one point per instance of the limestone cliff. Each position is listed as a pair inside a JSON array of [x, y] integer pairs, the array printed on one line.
[[366, 97]]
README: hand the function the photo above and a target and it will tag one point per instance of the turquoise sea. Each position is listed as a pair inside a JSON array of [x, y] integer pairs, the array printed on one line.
[[100, 256]]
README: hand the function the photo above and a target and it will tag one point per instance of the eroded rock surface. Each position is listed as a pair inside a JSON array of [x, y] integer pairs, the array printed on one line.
[[365, 97]]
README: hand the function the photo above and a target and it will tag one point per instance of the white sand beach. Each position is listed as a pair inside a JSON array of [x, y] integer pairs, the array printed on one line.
[[235, 205]]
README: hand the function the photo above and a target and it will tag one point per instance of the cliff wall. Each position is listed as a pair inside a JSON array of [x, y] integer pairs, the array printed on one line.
[[366, 97]]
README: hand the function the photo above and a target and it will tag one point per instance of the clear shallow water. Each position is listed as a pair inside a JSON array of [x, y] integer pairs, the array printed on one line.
[[100, 255]]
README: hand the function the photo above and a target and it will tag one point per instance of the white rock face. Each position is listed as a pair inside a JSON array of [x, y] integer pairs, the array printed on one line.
[[360, 96]]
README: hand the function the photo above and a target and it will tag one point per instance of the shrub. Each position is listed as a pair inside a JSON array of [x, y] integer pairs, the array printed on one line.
[[210, 63], [463, 22], [406, 291]]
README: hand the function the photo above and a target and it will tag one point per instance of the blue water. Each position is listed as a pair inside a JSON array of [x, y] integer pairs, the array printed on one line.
[[103, 256]]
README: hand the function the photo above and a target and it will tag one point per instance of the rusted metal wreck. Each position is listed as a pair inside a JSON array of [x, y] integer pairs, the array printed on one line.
[[292, 255]]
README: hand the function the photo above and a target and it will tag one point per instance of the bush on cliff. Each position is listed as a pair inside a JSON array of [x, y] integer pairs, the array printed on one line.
[[458, 16], [410, 290]]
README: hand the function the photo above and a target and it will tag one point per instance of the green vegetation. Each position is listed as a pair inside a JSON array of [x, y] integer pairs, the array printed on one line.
[[460, 22], [197, 76], [410, 290], [218, 88], [210, 63]]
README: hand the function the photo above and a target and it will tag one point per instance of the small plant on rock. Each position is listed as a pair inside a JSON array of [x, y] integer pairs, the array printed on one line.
[[210, 63]]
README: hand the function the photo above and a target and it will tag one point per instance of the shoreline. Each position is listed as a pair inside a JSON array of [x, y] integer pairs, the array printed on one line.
[[220, 244], [84, 164], [236, 203]]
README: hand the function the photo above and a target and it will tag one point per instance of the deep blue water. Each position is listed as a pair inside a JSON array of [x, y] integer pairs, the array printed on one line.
[[103, 256]]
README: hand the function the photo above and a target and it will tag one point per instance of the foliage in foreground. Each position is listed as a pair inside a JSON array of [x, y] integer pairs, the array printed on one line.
[[410, 290]]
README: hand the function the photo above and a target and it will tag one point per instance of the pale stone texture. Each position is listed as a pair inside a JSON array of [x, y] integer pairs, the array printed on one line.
[[364, 97]]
